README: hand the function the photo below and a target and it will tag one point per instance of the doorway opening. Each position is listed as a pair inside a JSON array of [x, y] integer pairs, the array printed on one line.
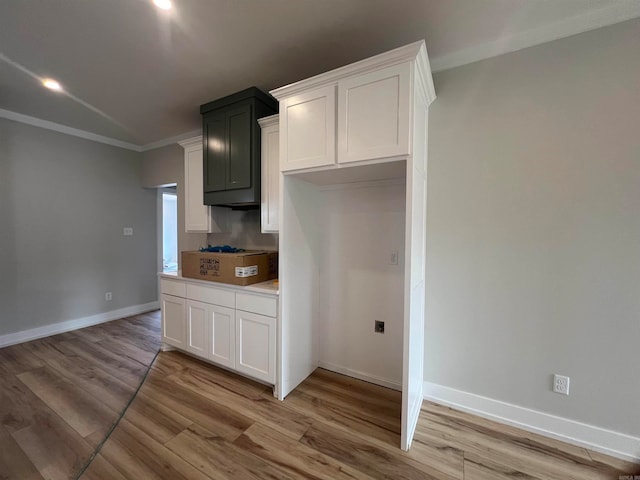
[[169, 230]]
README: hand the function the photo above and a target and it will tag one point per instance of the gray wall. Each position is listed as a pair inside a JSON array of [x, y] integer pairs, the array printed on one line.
[[63, 204], [165, 166], [534, 228]]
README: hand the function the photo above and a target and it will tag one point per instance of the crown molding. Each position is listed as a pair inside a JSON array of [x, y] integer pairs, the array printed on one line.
[[57, 127], [399, 55], [268, 121], [94, 137], [613, 13], [191, 142], [171, 140]]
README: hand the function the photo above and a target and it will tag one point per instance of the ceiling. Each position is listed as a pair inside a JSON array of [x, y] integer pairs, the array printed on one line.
[[137, 74]]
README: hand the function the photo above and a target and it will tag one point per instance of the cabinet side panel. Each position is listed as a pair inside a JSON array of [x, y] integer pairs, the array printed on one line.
[[299, 283], [413, 369]]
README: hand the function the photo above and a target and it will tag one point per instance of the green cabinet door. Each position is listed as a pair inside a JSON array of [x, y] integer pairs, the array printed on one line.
[[215, 147], [232, 147], [238, 168]]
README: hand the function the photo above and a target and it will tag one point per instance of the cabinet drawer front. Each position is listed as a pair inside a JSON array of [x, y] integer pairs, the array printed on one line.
[[257, 304], [173, 287], [216, 296]]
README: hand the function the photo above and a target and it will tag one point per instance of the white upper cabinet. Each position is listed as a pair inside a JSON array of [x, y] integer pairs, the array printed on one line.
[[307, 129], [373, 114], [199, 218], [270, 158], [358, 113]]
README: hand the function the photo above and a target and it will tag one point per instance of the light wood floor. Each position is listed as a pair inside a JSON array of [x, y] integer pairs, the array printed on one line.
[[60, 396]]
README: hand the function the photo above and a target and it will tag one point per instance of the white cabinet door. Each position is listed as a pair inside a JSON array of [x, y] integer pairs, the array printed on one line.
[[222, 336], [173, 321], [270, 158], [197, 215], [199, 218], [256, 345], [307, 129], [198, 328], [373, 114]]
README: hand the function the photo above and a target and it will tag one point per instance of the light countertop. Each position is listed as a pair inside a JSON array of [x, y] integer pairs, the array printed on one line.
[[267, 287]]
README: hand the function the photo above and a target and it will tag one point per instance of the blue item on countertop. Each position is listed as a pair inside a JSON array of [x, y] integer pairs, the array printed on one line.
[[222, 249]]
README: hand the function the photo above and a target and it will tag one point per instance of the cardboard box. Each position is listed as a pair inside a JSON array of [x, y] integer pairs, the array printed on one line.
[[245, 268]]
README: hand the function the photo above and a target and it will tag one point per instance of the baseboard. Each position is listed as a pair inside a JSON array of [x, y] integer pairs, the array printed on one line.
[[68, 325], [383, 382], [612, 443]]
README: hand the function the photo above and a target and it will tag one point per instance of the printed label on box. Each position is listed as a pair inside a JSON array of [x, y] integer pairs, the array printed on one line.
[[249, 271], [210, 267]]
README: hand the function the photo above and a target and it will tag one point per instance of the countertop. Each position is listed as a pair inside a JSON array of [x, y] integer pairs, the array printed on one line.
[[264, 287]]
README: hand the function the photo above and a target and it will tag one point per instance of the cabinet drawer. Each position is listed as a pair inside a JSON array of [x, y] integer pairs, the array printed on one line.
[[257, 304], [216, 296], [173, 287]]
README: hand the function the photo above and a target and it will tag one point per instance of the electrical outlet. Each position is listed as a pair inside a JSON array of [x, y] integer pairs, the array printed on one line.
[[393, 258], [127, 231], [379, 327], [561, 384], [108, 296]]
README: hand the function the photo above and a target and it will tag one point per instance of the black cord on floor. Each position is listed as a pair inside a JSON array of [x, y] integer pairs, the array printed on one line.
[[115, 424]]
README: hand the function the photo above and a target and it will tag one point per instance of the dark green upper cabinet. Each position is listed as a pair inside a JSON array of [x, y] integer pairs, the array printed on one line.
[[231, 137]]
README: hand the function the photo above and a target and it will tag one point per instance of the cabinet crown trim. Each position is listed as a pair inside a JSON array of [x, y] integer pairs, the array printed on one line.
[[414, 52], [268, 121], [191, 142]]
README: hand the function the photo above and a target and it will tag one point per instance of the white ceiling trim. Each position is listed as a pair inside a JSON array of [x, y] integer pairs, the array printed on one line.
[[57, 127], [616, 12], [171, 140]]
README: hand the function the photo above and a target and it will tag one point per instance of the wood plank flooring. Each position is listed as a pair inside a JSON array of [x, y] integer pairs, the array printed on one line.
[[59, 397]]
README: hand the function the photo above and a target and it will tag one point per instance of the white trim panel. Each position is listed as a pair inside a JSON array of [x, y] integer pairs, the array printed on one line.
[[75, 324], [383, 382], [612, 443]]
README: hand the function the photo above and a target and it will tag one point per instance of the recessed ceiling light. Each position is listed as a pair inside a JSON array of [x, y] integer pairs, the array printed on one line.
[[51, 84], [163, 4]]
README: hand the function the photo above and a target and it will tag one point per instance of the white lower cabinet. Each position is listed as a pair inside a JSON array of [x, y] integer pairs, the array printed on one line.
[[222, 336], [173, 321], [197, 328], [256, 345], [244, 341]]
